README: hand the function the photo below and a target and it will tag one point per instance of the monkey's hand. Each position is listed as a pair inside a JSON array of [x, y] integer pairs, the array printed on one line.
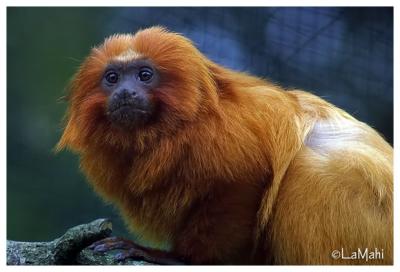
[[132, 250]]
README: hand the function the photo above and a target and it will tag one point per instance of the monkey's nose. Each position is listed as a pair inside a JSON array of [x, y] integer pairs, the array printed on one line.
[[124, 94], [125, 97]]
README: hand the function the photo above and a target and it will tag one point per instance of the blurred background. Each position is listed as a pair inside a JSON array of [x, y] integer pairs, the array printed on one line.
[[344, 55]]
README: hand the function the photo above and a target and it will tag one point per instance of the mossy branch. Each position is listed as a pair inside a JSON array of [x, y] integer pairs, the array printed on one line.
[[69, 249]]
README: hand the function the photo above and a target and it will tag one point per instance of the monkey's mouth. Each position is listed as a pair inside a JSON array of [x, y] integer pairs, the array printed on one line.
[[127, 114]]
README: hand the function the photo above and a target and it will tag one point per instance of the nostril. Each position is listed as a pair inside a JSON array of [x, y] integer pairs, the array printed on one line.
[[115, 95], [125, 94]]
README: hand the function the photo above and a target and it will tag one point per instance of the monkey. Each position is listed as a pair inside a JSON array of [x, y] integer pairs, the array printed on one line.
[[212, 166]]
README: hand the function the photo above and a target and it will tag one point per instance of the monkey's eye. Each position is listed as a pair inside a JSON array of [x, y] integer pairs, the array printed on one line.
[[112, 77], [145, 74]]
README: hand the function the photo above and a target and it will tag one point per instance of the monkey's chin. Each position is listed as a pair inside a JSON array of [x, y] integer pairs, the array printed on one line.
[[128, 117]]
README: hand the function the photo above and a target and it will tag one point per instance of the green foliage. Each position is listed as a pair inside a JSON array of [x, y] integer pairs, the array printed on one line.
[[46, 193]]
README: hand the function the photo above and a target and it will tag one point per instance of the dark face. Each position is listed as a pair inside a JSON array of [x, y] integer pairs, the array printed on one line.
[[129, 86]]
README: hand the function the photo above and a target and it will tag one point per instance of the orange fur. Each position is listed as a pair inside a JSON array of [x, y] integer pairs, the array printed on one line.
[[235, 170]]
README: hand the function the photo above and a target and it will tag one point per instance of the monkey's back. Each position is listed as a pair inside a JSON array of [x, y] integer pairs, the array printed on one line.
[[336, 194]]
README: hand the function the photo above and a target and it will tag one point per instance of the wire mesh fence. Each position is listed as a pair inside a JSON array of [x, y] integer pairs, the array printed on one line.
[[342, 54]]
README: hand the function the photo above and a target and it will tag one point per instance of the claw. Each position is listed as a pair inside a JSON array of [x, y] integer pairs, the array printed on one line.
[[120, 256], [100, 248]]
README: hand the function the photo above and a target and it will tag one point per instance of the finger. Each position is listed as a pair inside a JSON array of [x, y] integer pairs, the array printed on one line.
[[103, 241]]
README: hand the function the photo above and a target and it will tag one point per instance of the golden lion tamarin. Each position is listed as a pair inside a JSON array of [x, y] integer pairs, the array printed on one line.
[[212, 166]]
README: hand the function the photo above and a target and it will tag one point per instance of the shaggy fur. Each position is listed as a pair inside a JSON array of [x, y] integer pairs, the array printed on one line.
[[234, 169]]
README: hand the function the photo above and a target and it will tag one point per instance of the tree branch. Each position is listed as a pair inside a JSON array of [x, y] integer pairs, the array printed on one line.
[[70, 248]]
